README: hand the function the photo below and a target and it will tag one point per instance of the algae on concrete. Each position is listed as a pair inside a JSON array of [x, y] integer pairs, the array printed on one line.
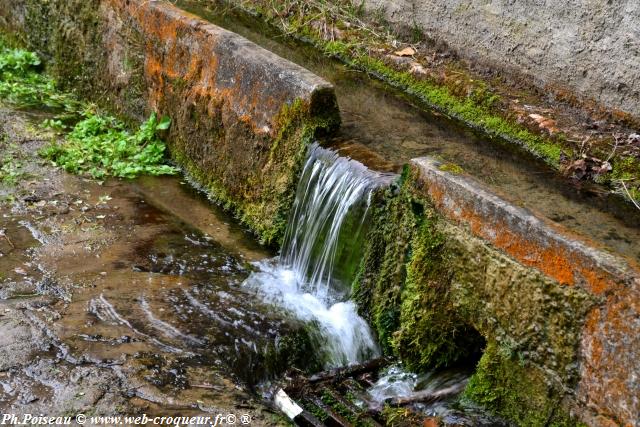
[[340, 29], [245, 148], [436, 294]]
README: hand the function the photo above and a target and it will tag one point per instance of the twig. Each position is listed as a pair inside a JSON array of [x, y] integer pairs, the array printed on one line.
[[207, 386], [629, 194], [349, 371], [4, 234], [427, 396], [616, 137]]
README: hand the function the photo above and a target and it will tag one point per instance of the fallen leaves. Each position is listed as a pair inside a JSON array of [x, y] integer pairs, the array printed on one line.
[[588, 167], [407, 51], [417, 69], [544, 123]]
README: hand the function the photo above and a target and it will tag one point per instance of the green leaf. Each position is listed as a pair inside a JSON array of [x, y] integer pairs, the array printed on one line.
[[100, 146], [164, 124]]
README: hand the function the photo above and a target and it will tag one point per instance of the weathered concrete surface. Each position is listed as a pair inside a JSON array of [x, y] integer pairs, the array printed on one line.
[[588, 47], [608, 385], [240, 115], [522, 235]]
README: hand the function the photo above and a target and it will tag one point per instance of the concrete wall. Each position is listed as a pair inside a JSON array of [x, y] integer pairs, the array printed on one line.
[[560, 317], [447, 260], [241, 115], [589, 47], [607, 358]]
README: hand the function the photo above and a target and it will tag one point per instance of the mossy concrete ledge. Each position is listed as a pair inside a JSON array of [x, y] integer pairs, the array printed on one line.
[[241, 115], [452, 273], [601, 291]]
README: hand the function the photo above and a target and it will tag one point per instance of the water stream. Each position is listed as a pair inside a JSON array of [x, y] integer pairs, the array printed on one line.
[[312, 277], [445, 386], [384, 130]]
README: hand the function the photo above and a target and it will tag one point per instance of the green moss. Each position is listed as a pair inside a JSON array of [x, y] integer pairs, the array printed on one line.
[[342, 410], [434, 294], [263, 201], [627, 170], [431, 334], [516, 390], [474, 109], [315, 410], [65, 30], [476, 105], [252, 174], [378, 284], [338, 407], [295, 350], [451, 168], [403, 284], [336, 48]]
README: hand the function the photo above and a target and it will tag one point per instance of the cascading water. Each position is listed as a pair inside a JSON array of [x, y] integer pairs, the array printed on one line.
[[312, 277]]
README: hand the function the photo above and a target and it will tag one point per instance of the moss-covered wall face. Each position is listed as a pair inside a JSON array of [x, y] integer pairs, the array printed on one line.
[[435, 294], [241, 116], [403, 285]]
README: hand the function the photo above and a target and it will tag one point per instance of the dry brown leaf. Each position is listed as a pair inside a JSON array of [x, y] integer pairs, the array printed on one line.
[[537, 117], [407, 51], [544, 123], [417, 68]]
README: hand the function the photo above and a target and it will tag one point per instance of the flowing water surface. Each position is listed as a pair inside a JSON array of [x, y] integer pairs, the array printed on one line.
[[323, 241], [177, 290]]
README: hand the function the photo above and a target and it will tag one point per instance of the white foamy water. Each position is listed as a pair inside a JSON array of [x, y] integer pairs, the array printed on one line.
[[311, 279], [344, 335], [394, 382]]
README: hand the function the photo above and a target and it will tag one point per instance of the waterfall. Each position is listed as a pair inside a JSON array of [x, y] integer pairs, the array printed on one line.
[[323, 242]]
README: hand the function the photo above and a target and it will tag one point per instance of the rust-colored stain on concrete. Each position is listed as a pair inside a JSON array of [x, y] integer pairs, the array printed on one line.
[[182, 53], [609, 384], [611, 359], [556, 260], [226, 98]]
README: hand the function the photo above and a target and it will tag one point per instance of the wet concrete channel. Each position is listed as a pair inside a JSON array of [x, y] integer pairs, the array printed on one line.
[[130, 297], [384, 130], [127, 294]]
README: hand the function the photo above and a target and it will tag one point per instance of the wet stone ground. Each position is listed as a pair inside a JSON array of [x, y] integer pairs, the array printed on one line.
[[124, 296]]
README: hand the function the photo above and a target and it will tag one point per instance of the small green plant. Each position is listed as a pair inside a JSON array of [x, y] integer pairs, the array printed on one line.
[[451, 168], [10, 170], [22, 84], [97, 146], [54, 124], [11, 166], [101, 146]]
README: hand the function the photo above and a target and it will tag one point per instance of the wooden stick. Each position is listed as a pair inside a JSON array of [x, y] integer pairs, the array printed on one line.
[[427, 396]]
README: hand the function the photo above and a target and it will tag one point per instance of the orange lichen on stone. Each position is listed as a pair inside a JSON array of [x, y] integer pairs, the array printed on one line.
[[551, 256], [598, 282], [610, 358]]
